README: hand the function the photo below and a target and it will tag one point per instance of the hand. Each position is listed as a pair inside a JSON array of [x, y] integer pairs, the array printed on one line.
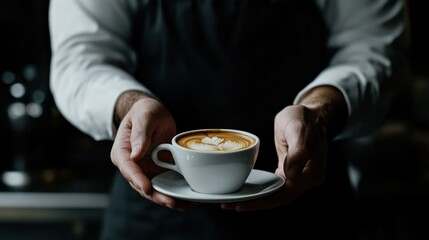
[[301, 145], [302, 134], [145, 125]]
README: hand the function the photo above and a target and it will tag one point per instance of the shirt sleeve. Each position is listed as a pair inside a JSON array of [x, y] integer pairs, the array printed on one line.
[[91, 61], [368, 42]]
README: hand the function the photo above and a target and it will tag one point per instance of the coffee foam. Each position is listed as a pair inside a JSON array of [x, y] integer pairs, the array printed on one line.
[[215, 141]]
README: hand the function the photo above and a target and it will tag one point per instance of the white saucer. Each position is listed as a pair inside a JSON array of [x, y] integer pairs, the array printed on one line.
[[258, 184]]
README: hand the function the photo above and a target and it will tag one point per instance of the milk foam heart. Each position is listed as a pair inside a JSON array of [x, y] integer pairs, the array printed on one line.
[[215, 141]]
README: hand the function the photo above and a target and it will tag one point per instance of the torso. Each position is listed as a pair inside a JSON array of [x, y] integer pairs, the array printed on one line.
[[229, 63]]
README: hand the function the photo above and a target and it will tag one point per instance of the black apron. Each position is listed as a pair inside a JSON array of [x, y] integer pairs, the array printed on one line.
[[229, 63], [220, 64]]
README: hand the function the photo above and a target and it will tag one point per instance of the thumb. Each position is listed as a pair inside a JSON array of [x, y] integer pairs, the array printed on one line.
[[295, 161]]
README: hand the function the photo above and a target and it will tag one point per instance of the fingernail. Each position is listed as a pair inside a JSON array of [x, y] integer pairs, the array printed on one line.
[[134, 150], [137, 185]]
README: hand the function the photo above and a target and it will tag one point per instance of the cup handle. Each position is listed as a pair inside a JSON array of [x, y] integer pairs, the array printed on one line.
[[161, 147]]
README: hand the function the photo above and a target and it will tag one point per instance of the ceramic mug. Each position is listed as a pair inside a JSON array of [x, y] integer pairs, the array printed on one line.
[[212, 161]]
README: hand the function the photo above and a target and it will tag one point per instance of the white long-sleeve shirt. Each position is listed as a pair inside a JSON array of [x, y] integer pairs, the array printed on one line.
[[92, 60]]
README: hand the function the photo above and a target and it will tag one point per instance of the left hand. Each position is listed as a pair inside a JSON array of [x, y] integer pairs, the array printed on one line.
[[301, 145], [301, 134]]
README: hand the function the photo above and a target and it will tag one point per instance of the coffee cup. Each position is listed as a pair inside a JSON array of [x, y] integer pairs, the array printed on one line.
[[212, 161]]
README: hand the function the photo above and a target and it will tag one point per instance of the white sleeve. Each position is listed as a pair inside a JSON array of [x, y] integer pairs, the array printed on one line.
[[91, 61], [367, 66]]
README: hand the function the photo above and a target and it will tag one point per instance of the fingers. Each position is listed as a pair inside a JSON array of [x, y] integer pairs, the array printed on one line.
[[133, 173], [140, 140], [306, 165], [300, 135], [291, 135], [131, 154], [301, 147], [299, 150], [170, 202], [281, 197]]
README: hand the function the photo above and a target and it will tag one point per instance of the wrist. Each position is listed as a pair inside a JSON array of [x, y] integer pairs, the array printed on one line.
[[124, 103], [329, 106]]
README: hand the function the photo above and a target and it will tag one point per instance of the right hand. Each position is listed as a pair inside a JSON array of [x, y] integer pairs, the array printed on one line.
[[145, 125]]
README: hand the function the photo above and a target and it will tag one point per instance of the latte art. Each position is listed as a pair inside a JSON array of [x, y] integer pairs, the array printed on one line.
[[215, 144], [215, 141]]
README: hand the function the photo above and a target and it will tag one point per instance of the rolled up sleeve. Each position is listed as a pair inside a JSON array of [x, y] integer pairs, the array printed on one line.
[[91, 62], [367, 38]]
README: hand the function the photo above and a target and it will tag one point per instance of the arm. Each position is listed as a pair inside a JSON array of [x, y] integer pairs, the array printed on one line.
[[93, 87], [91, 61], [367, 66], [347, 99]]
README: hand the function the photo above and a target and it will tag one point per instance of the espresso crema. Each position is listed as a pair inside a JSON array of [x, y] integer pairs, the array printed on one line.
[[215, 141]]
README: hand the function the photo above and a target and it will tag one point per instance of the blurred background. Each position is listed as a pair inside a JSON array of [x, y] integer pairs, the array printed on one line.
[[54, 180]]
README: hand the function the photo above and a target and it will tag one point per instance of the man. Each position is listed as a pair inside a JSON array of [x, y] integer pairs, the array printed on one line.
[[301, 75]]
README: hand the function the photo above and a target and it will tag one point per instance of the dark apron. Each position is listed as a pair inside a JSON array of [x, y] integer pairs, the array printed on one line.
[[220, 64], [229, 63]]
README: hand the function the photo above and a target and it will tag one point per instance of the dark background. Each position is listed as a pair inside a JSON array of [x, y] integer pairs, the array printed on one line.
[[38, 144], [45, 140], [56, 157]]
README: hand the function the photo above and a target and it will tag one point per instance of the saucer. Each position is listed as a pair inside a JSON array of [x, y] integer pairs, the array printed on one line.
[[258, 184]]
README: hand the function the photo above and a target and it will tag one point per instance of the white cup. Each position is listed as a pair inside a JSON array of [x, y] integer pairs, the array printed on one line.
[[212, 161]]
